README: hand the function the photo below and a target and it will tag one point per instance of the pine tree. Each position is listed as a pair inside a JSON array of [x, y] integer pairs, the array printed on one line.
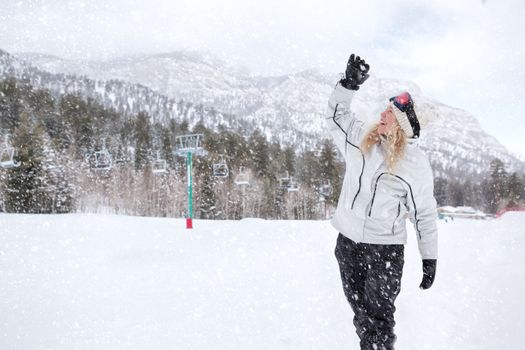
[[270, 201], [289, 160], [11, 103], [516, 190], [309, 170], [235, 146], [184, 127], [455, 194], [260, 157], [496, 191], [468, 194], [142, 140], [25, 184], [440, 191], [200, 128], [167, 148], [44, 107], [75, 113], [330, 169], [208, 200]]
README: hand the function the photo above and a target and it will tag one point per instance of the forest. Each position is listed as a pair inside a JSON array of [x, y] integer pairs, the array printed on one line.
[[59, 144]]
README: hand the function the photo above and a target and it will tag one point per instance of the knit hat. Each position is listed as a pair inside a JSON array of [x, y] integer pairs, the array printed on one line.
[[404, 110]]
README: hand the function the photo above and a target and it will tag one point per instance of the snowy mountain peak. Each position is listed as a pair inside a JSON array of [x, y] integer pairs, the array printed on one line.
[[290, 106]]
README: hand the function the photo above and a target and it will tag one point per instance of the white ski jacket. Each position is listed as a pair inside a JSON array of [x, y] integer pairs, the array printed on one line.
[[374, 203]]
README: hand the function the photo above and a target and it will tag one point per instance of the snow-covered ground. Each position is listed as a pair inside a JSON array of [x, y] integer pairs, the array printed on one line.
[[117, 282]]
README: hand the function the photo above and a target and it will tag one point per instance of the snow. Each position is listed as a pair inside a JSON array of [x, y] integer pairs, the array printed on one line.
[[81, 281], [290, 107]]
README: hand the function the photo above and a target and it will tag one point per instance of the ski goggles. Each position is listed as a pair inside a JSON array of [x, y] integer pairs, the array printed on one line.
[[403, 102]]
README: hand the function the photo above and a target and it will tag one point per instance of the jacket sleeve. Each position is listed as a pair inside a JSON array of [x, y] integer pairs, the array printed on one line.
[[346, 129], [423, 213]]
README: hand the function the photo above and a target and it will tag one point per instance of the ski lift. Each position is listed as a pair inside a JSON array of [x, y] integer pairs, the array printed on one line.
[[220, 169], [191, 143], [121, 157], [7, 155], [293, 186], [120, 160], [101, 160], [325, 189], [159, 165], [243, 178], [284, 181]]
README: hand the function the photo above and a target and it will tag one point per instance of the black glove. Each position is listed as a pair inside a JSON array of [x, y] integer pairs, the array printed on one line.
[[429, 273], [356, 73]]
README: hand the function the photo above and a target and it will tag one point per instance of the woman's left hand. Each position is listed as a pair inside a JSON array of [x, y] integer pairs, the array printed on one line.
[[429, 273]]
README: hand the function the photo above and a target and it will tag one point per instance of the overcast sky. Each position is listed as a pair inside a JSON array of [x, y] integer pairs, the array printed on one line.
[[464, 53]]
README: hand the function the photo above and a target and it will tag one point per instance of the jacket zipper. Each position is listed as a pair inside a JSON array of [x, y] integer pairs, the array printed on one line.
[[361, 175], [394, 223], [374, 195]]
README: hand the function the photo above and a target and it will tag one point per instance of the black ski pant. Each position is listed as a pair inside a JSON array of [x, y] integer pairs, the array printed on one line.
[[371, 276]]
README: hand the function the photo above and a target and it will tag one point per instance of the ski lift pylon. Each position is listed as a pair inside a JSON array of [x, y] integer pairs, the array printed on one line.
[[189, 143]]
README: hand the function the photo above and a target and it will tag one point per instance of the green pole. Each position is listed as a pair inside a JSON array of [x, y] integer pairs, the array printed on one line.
[[189, 165]]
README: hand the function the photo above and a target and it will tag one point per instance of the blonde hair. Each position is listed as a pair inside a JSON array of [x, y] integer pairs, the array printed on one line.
[[394, 143]]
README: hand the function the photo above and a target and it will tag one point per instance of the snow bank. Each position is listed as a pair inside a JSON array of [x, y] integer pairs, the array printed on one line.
[[117, 282]]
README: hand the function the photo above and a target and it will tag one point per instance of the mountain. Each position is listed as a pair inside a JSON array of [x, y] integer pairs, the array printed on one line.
[[290, 108], [125, 97]]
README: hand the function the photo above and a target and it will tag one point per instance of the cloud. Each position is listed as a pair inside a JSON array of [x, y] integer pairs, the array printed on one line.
[[466, 53]]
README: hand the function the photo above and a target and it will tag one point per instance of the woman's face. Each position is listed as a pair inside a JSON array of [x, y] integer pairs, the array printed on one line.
[[387, 121]]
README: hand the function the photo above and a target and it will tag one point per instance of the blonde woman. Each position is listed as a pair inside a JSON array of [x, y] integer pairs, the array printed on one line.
[[387, 179]]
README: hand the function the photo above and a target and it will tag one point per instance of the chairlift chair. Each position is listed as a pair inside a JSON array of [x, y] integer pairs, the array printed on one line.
[[121, 157], [159, 165], [220, 169], [7, 155], [243, 178], [325, 189], [293, 186], [120, 160], [7, 158], [101, 160], [284, 181]]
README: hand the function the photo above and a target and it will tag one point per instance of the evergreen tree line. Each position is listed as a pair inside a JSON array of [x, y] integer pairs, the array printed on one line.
[[55, 139], [493, 192]]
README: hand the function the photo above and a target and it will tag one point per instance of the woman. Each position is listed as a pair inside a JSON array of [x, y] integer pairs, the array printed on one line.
[[387, 179]]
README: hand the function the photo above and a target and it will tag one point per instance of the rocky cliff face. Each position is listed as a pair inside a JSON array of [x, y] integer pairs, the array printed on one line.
[[290, 108]]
